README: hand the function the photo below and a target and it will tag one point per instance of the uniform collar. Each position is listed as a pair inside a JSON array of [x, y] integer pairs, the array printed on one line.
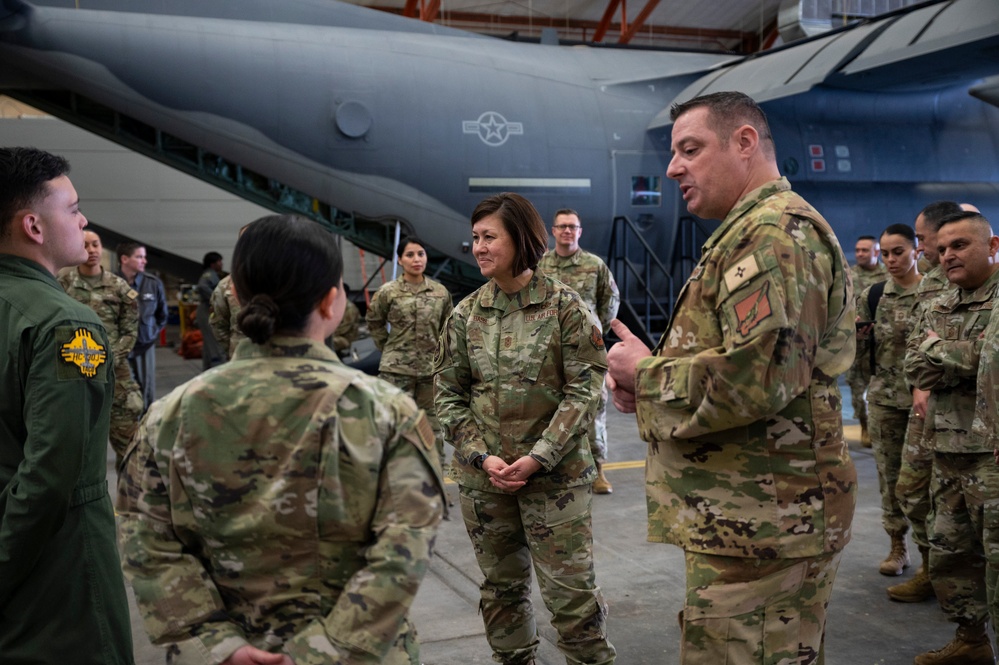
[[22, 267], [535, 292], [744, 205], [285, 346]]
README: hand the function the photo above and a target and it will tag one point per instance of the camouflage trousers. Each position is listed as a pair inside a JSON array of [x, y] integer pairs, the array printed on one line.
[[858, 377], [913, 487], [421, 389], [553, 532], [887, 426], [990, 540], [743, 611], [599, 438], [126, 410], [962, 485]]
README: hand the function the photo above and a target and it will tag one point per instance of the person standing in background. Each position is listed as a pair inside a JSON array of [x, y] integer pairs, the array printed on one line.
[[590, 277], [62, 596], [405, 319], [211, 352], [152, 316], [887, 314], [866, 272], [116, 304], [913, 487]]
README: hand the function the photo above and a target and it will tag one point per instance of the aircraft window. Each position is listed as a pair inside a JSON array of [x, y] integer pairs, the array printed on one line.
[[646, 190]]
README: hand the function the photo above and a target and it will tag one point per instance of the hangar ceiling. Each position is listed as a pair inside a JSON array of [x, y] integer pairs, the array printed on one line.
[[736, 26]]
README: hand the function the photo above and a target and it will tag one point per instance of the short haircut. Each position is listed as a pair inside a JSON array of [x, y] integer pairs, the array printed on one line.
[[521, 220], [934, 213], [566, 211], [975, 218], [127, 248], [871, 238], [729, 110], [24, 177], [903, 230], [210, 258], [283, 266], [410, 240]]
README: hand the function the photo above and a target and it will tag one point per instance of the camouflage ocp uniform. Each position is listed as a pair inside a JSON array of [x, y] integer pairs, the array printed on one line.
[[913, 487], [859, 375], [405, 322], [747, 468], [589, 276], [347, 331], [116, 304], [224, 317], [519, 375], [964, 471], [283, 501], [889, 395], [986, 429]]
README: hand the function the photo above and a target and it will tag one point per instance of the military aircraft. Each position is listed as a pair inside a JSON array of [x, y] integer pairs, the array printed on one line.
[[372, 122]]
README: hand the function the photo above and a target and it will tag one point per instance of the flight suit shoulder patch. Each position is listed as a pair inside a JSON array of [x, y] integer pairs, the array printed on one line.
[[81, 352]]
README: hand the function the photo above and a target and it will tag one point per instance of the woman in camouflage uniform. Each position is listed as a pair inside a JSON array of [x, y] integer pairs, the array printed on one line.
[[405, 319], [518, 376], [282, 508]]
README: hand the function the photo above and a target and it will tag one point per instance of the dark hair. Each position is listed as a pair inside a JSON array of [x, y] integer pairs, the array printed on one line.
[[411, 240], [867, 238], [967, 216], [127, 248], [729, 110], [282, 267], [24, 177], [903, 230], [210, 258], [521, 220], [934, 213], [566, 211]]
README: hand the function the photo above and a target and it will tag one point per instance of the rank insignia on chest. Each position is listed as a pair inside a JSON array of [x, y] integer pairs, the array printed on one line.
[[84, 352], [753, 309]]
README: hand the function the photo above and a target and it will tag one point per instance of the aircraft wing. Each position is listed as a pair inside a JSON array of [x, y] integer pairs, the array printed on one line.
[[931, 46]]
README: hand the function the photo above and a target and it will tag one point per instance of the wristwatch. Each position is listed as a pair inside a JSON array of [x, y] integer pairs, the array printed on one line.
[[478, 460]]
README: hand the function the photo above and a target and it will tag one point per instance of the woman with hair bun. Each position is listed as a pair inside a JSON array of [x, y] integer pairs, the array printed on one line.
[[518, 375], [281, 508]]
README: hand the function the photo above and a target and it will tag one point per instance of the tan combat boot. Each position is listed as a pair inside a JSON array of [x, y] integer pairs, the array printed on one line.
[[970, 646], [601, 485], [918, 588], [898, 559]]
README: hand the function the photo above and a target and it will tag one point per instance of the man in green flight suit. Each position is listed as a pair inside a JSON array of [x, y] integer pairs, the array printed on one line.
[[62, 596]]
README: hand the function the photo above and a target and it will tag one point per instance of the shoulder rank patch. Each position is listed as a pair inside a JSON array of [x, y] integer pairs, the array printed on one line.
[[425, 432], [742, 271], [132, 294], [597, 338], [753, 309], [84, 352]]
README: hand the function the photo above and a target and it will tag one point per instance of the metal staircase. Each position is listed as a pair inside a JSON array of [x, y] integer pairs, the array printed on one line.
[[649, 287]]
